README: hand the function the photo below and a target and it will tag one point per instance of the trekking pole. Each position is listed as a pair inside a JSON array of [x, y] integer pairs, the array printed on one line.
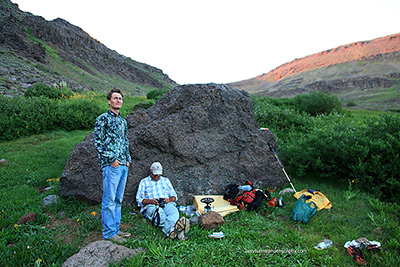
[[280, 163]]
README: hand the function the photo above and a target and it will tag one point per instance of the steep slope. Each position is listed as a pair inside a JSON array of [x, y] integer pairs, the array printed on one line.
[[345, 53], [363, 74], [34, 50]]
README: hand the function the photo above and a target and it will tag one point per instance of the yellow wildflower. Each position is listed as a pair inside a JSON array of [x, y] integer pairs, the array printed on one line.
[[93, 213], [53, 179], [16, 226]]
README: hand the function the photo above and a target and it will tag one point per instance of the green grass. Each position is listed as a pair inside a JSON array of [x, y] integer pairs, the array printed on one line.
[[265, 237]]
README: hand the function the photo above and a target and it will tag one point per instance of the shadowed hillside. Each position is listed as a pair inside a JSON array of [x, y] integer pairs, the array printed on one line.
[[33, 50]]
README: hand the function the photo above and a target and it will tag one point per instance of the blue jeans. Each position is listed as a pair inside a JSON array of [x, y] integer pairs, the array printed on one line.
[[169, 215], [114, 181]]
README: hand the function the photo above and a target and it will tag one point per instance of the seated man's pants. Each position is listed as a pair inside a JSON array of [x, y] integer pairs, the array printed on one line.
[[169, 215]]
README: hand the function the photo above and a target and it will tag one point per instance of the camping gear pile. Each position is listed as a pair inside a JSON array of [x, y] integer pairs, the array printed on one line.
[[245, 196], [211, 209]]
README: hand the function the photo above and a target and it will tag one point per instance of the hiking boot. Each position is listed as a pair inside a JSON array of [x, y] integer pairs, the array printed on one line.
[[357, 255], [180, 230], [374, 247], [123, 234], [117, 239], [182, 236]]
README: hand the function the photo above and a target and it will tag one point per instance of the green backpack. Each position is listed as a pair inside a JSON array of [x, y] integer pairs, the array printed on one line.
[[303, 211]]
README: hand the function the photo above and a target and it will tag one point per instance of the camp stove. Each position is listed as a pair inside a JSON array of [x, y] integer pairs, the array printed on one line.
[[207, 201]]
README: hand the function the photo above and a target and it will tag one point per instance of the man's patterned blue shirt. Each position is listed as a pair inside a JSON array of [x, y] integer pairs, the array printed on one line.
[[111, 139]]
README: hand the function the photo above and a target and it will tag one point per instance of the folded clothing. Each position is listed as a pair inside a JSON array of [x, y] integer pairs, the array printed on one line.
[[315, 196], [369, 245]]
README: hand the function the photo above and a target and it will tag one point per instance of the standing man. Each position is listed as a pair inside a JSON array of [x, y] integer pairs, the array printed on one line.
[[112, 145], [157, 197]]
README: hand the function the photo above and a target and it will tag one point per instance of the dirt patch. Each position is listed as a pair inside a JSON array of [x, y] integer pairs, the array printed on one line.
[[69, 231]]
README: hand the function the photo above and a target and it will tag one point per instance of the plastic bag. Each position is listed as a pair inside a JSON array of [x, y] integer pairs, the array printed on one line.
[[303, 211]]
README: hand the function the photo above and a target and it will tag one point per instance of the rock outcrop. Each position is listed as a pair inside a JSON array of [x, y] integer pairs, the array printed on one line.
[[101, 254], [204, 135], [361, 83]]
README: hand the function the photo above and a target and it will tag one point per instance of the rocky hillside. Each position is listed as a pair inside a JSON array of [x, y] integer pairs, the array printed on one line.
[[363, 74], [33, 50]]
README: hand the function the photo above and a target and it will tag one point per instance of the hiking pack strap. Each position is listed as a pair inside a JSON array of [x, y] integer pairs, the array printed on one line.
[[156, 217]]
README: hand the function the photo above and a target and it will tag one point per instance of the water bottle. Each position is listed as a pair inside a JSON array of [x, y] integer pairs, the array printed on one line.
[[280, 202], [182, 208], [245, 187], [325, 244]]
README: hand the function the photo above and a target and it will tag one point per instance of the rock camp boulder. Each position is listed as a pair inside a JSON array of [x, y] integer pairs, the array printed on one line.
[[204, 135]]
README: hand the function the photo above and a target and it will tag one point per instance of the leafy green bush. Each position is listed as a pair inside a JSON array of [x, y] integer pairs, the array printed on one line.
[[317, 103], [20, 116], [328, 147], [337, 148], [351, 104], [156, 94], [77, 114], [381, 169], [281, 119], [42, 90], [314, 103]]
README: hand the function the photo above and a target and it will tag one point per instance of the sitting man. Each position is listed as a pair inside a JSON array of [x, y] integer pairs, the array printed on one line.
[[156, 196]]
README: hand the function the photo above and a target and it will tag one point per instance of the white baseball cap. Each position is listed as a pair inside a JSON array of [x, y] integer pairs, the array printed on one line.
[[156, 168]]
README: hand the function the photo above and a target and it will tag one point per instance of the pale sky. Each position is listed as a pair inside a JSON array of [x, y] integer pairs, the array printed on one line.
[[222, 41]]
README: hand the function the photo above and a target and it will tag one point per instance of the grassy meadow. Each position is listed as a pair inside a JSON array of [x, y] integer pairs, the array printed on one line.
[[264, 237]]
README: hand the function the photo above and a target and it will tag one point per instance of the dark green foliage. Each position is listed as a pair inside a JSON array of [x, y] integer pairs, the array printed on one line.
[[280, 117], [21, 116], [381, 164], [317, 103], [337, 147], [42, 90], [351, 104], [77, 114], [156, 94]]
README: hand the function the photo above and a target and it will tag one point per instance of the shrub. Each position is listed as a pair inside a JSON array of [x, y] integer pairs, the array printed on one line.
[[156, 94], [340, 149], [381, 165], [328, 147], [281, 119], [317, 103], [20, 116], [77, 114], [351, 104], [42, 90]]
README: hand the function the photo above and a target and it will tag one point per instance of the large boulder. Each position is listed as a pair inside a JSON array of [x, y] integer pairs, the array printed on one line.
[[204, 135]]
